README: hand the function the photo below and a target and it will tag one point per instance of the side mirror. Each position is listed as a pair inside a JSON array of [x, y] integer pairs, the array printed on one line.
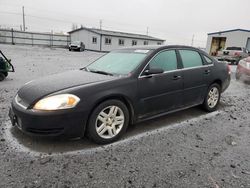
[[153, 71]]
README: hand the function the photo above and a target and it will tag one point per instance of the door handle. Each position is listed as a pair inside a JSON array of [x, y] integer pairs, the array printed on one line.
[[176, 77], [207, 71]]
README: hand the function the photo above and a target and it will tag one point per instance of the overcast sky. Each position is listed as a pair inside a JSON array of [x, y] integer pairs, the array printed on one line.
[[175, 21]]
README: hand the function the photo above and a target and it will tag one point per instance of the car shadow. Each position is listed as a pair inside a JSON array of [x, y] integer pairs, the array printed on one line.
[[60, 145]]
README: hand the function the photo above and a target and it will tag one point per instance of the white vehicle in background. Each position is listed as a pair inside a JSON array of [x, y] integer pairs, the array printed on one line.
[[77, 45], [232, 54]]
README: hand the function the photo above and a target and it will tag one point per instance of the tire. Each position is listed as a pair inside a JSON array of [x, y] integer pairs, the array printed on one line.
[[103, 119], [5, 74], [212, 98], [2, 76], [69, 49]]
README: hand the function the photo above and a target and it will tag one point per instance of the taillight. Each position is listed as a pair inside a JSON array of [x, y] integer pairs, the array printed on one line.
[[237, 53], [228, 69]]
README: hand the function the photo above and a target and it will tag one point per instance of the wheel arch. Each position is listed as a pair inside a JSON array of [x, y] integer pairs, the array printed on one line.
[[217, 81], [119, 97]]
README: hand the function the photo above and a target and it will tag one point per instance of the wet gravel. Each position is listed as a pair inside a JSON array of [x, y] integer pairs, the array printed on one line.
[[185, 149]]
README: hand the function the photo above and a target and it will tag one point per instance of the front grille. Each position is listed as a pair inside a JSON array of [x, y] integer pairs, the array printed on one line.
[[45, 131]]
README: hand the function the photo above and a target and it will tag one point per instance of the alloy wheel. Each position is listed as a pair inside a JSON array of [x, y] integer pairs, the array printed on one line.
[[109, 122], [213, 97]]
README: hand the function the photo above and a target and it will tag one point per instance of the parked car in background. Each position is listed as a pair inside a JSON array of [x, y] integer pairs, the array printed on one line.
[[232, 54], [77, 45], [120, 88], [243, 70]]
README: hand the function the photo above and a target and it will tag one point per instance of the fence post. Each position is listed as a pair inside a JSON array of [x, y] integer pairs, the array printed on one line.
[[52, 39], [12, 36], [32, 39]]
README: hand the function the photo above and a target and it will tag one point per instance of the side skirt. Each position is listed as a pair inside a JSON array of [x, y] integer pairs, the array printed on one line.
[[143, 118]]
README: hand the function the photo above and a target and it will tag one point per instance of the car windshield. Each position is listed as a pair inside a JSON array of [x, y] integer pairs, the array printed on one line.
[[234, 48], [118, 63], [76, 43]]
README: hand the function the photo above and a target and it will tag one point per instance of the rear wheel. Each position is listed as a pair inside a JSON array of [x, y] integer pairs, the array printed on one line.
[[2, 76], [212, 98], [108, 122]]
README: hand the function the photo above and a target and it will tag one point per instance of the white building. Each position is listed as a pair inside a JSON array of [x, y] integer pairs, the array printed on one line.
[[222, 39], [104, 40]]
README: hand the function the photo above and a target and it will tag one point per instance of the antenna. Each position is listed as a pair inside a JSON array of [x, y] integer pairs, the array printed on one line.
[[23, 20], [147, 30]]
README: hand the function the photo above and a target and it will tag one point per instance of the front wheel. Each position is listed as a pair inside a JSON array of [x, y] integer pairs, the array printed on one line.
[[2, 76], [108, 122], [212, 98]]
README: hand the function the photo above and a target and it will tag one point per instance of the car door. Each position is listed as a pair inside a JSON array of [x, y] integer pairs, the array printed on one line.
[[194, 72], [160, 92]]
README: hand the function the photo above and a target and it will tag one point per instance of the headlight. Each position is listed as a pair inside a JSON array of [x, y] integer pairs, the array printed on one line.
[[57, 102]]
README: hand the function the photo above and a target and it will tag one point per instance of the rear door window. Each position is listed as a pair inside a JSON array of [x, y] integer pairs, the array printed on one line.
[[165, 60], [190, 58]]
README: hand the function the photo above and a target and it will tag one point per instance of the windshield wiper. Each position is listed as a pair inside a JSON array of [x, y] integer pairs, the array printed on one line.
[[100, 72]]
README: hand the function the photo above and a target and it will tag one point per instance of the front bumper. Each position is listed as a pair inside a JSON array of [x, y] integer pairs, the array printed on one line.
[[68, 123]]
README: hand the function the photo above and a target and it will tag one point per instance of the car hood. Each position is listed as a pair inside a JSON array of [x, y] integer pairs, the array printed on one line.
[[42, 87]]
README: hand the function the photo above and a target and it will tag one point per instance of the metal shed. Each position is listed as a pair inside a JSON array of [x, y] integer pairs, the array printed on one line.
[[220, 40]]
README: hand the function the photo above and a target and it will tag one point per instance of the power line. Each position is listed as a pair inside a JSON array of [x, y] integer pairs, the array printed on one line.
[[192, 43], [162, 31], [100, 24]]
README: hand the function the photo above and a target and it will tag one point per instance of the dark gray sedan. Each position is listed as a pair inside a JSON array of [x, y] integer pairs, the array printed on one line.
[[120, 88]]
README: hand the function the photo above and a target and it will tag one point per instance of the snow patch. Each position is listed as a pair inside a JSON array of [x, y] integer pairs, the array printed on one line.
[[13, 142]]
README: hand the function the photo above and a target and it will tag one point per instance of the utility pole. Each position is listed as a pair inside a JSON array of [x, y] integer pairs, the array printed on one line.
[[192, 43], [147, 30], [23, 20], [100, 24]]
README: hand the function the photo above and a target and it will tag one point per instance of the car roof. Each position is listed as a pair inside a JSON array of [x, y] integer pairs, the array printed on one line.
[[155, 47]]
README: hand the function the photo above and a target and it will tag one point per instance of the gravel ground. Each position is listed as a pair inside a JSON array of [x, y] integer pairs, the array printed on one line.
[[186, 149]]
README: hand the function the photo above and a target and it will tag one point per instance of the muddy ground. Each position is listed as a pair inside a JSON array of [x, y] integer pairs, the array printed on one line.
[[190, 148]]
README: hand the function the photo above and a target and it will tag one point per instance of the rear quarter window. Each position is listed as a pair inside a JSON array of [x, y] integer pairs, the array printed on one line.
[[208, 60]]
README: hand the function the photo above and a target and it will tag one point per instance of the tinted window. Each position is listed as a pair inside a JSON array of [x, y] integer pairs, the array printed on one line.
[[190, 58], [165, 60]]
